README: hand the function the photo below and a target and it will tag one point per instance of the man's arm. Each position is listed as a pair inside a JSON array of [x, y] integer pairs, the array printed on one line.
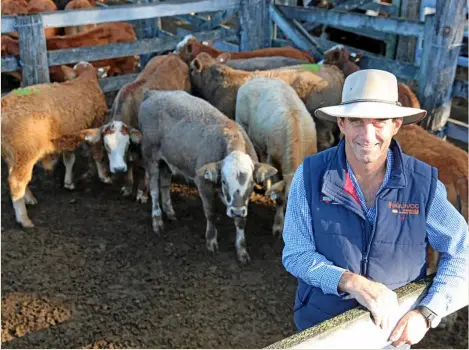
[[300, 257], [447, 233]]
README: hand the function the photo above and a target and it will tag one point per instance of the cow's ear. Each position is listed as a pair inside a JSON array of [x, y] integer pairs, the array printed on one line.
[[263, 171], [276, 190], [135, 136], [210, 171], [197, 65], [224, 57]]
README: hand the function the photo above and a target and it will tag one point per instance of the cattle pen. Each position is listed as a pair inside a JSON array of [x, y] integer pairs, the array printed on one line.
[[234, 25]]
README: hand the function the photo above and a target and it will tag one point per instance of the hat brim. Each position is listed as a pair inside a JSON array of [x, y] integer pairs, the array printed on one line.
[[373, 110]]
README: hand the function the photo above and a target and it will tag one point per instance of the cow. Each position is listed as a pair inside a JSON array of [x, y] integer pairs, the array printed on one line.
[[166, 72], [316, 85], [184, 134], [43, 120], [281, 130]]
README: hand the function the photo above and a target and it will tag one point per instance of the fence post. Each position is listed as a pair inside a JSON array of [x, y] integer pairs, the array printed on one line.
[[147, 28], [33, 50], [252, 27], [441, 46]]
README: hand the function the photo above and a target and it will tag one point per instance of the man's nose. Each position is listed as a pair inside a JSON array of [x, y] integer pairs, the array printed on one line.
[[369, 132]]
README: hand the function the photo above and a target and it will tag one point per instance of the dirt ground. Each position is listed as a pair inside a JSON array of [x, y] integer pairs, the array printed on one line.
[[92, 274]]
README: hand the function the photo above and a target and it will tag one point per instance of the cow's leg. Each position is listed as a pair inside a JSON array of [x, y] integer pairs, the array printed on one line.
[[18, 180], [29, 197], [98, 156], [156, 214], [240, 244], [277, 228], [69, 161], [165, 183], [126, 190], [143, 184], [207, 194]]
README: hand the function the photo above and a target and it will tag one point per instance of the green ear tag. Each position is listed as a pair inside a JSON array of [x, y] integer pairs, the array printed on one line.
[[25, 91], [313, 67]]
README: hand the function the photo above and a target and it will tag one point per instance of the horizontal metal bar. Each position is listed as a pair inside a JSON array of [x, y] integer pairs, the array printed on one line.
[[457, 131], [9, 64], [463, 61], [354, 20], [138, 47], [381, 8], [124, 13]]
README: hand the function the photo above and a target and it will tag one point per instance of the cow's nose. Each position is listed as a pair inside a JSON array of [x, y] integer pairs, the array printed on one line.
[[241, 212], [121, 169]]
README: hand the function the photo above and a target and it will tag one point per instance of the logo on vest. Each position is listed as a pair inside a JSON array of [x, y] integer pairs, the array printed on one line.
[[404, 208], [328, 200]]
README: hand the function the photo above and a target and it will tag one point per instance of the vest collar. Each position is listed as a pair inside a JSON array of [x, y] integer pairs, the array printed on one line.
[[336, 173]]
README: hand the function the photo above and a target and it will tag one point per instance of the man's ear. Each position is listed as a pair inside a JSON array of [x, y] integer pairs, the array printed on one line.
[[210, 171], [263, 171], [135, 136], [397, 124]]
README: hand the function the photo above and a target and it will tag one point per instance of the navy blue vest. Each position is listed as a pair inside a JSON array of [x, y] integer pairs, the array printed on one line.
[[392, 251]]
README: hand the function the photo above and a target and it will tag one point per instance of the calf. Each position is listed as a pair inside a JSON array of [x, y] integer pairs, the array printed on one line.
[[186, 135], [281, 130], [189, 48], [43, 120], [167, 72], [316, 85], [79, 4]]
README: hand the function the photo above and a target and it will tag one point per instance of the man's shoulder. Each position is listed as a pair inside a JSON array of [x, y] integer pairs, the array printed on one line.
[[321, 157]]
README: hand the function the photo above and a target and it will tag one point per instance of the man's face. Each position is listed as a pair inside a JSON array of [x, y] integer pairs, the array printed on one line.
[[368, 139]]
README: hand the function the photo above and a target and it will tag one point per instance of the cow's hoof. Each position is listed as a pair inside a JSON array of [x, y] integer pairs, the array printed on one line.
[[126, 191], [26, 223], [30, 200], [157, 223], [69, 186], [277, 231], [106, 179], [170, 213], [243, 256], [141, 197], [212, 245]]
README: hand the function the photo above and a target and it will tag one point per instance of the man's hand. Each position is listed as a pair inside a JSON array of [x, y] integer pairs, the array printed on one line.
[[376, 297], [410, 329]]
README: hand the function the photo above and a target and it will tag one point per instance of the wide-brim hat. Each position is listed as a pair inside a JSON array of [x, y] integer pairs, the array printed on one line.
[[371, 93]]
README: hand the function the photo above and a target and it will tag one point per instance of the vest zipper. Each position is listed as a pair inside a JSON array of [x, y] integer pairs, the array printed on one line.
[[364, 258], [374, 228]]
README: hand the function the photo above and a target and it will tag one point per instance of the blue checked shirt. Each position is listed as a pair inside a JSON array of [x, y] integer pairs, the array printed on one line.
[[446, 229]]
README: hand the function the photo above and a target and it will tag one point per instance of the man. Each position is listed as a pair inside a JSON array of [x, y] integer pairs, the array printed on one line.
[[360, 215]]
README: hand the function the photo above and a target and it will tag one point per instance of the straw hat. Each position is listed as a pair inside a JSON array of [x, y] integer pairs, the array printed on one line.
[[371, 93]]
